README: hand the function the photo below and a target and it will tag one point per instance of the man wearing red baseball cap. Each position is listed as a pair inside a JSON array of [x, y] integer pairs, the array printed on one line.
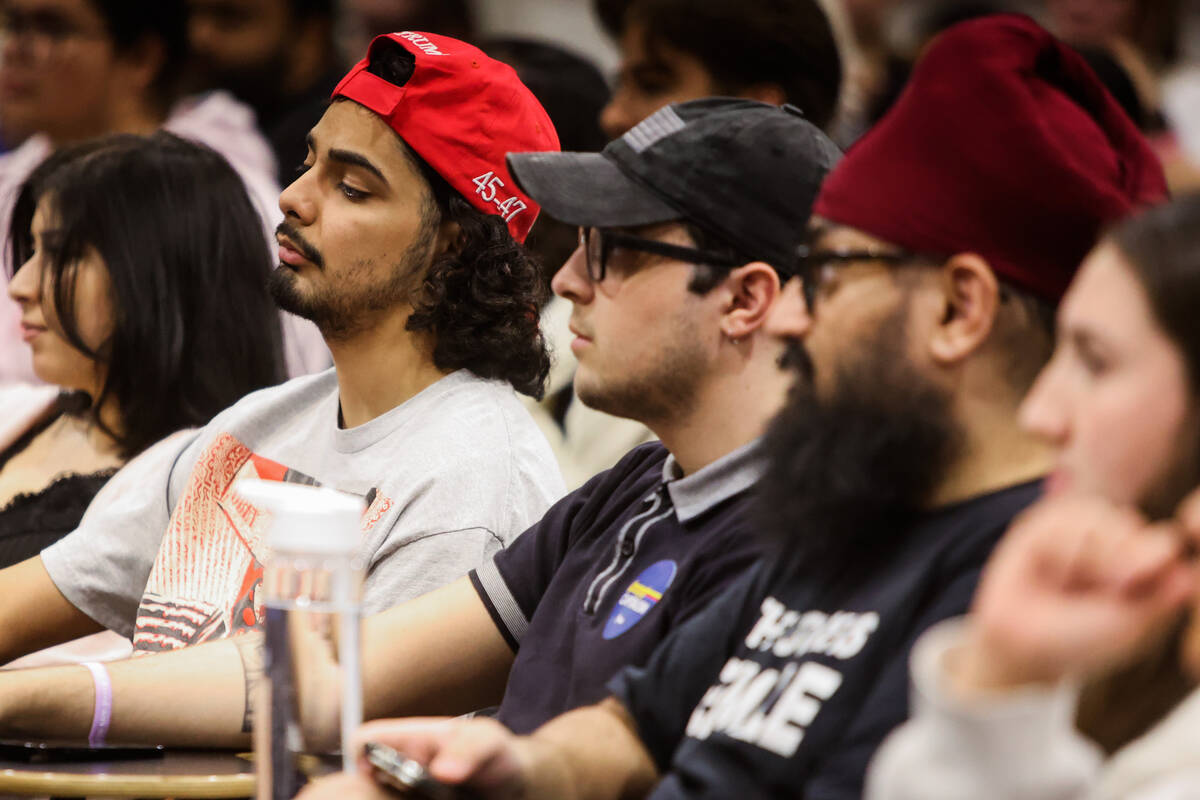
[[920, 318], [401, 241]]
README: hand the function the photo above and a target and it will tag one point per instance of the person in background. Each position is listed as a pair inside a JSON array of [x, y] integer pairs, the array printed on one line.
[[1098, 584], [918, 322], [141, 281], [883, 67], [676, 50], [277, 56], [1142, 36], [883, 58], [363, 20], [1146, 40], [76, 69], [1149, 26]]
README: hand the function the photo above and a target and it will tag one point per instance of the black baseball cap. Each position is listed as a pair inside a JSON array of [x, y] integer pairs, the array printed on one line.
[[744, 171]]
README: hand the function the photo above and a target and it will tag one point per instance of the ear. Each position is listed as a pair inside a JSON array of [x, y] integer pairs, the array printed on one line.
[[143, 62], [752, 291], [771, 93], [970, 298], [449, 239]]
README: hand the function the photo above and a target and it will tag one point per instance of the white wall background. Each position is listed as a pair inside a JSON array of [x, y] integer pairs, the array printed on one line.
[[569, 23]]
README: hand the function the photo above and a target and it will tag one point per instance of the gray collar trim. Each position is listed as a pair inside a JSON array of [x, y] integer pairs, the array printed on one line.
[[730, 474]]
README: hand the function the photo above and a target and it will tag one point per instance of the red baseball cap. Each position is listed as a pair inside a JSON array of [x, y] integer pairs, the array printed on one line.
[[462, 112]]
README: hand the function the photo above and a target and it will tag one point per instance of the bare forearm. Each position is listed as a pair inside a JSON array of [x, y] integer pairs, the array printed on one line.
[[592, 753], [33, 612], [193, 697], [439, 654], [51, 702]]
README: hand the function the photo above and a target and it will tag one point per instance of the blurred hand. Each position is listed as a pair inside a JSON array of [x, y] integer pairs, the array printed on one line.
[[479, 753], [1075, 586]]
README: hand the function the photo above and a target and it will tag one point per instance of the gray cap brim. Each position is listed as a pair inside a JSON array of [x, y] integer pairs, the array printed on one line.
[[587, 189]]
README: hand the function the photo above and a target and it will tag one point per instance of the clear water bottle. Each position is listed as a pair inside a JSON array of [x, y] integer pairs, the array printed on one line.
[[310, 698]]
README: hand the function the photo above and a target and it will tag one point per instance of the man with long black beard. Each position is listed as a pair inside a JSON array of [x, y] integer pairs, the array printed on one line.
[[921, 318]]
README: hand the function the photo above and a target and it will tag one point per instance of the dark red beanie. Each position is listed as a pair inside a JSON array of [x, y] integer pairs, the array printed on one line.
[[1004, 144]]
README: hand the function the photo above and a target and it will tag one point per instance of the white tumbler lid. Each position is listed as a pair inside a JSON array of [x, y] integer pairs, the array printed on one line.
[[306, 519]]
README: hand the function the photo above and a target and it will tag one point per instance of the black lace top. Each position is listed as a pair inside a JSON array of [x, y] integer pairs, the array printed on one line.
[[31, 522]]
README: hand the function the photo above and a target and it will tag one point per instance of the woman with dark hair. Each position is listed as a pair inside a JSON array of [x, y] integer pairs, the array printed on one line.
[[142, 288], [78, 69], [1098, 584]]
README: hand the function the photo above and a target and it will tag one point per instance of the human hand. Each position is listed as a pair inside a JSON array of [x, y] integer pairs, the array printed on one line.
[[1075, 586], [480, 754]]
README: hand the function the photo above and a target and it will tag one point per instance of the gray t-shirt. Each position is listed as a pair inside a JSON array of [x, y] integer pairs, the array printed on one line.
[[169, 555]]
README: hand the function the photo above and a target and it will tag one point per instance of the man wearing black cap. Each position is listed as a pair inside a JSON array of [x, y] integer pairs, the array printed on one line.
[[898, 461], [688, 225], [687, 222], [774, 51]]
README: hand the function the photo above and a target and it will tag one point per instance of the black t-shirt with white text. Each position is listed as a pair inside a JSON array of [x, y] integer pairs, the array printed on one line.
[[784, 686]]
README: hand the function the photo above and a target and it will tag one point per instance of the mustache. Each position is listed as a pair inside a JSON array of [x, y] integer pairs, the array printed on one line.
[[796, 358], [287, 230]]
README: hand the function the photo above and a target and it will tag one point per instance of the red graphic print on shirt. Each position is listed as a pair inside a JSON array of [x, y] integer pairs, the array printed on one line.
[[207, 579]]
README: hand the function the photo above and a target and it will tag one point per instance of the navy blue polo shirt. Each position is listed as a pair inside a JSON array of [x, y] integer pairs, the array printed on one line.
[[787, 684], [610, 570]]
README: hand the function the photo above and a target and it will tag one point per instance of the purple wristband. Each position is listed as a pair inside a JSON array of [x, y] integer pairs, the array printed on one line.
[[102, 715]]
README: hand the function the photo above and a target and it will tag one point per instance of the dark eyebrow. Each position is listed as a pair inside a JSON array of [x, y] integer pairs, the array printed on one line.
[[350, 158]]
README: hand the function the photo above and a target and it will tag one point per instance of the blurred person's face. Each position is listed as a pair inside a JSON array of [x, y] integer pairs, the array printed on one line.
[[647, 81], [58, 69], [1115, 399], [359, 225], [55, 359], [1089, 23], [363, 20], [241, 45], [642, 338]]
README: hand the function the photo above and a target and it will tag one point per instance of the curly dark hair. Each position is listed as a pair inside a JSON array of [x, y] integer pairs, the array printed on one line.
[[481, 300]]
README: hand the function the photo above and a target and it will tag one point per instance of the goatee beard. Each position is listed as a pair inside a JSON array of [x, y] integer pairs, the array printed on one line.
[[848, 473]]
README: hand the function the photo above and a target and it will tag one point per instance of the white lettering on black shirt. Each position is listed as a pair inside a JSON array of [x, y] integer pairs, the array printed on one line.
[[771, 708]]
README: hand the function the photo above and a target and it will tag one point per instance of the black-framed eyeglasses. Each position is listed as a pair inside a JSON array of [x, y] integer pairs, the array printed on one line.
[[598, 243], [815, 266]]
